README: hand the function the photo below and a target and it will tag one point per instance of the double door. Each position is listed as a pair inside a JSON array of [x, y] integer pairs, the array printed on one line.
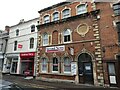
[[85, 72]]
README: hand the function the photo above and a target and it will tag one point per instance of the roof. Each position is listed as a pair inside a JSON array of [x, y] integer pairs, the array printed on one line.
[[53, 6], [24, 22]]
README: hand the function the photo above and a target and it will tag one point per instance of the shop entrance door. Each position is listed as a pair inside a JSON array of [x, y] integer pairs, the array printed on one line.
[[85, 68]]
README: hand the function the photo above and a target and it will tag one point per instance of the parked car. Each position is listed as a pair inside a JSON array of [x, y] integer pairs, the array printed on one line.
[[6, 85]]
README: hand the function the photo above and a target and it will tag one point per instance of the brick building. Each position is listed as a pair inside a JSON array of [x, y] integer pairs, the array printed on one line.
[[78, 42]]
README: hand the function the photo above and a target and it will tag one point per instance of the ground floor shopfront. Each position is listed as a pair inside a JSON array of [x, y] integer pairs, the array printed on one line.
[[1, 61], [27, 63], [83, 67], [20, 64]]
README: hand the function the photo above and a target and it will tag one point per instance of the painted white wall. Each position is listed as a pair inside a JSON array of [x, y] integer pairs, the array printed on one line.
[[23, 38]]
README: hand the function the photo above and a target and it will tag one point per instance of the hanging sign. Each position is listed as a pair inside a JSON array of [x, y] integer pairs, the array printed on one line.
[[55, 49]]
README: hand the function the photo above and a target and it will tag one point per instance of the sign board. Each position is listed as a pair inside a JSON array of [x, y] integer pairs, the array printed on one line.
[[55, 49], [113, 79], [20, 46], [72, 51], [27, 54], [73, 68]]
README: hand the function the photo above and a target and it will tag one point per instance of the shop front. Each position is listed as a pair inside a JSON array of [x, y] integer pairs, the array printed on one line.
[[11, 64], [27, 63]]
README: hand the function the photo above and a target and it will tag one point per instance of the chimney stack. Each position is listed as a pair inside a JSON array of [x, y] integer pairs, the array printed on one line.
[[7, 28]]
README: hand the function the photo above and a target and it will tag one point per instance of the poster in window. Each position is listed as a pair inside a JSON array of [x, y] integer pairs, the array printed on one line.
[[113, 79], [73, 68]]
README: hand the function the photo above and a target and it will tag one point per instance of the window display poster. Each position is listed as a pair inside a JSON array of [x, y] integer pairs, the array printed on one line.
[[113, 79], [73, 68]]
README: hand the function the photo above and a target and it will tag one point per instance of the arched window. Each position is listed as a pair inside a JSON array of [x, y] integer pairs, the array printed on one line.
[[55, 37], [55, 65], [46, 19], [55, 16], [81, 9], [17, 32], [32, 28], [44, 65], [65, 13], [67, 65], [45, 39], [15, 45], [67, 35], [31, 43]]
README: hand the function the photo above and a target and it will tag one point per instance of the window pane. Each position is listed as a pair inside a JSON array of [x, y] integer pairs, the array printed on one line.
[[66, 13], [17, 32], [117, 12], [44, 64], [15, 45], [81, 9], [67, 64], [32, 28], [55, 16], [31, 42], [46, 19], [111, 68], [116, 6], [67, 35], [55, 64], [45, 39]]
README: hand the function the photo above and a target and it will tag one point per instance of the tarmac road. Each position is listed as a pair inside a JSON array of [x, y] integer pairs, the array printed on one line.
[[31, 84]]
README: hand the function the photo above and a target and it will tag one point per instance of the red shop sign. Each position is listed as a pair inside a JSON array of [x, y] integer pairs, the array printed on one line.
[[20, 46], [28, 54]]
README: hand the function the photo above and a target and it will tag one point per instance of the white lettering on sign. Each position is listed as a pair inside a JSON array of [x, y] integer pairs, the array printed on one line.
[[27, 54], [55, 49]]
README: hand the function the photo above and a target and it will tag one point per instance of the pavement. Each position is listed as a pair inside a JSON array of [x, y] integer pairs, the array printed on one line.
[[33, 83]]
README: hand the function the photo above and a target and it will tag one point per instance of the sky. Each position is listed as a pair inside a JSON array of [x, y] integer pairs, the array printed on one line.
[[12, 11]]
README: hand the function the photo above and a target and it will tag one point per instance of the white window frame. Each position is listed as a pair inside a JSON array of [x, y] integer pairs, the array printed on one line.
[[17, 32], [45, 63], [45, 38], [57, 66], [82, 12], [47, 20], [67, 35], [32, 29], [15, 45], [57, 17], [66, 16], [32, 43], [67, 72]]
